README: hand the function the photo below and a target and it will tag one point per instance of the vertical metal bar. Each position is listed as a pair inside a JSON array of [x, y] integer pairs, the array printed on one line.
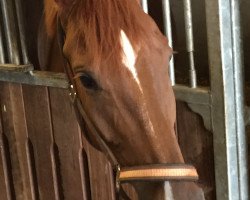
[[223, 37], [168, 33], [190, 41], [2, 53], [10, 31], [19, 12], [144, 4], [239, 100]]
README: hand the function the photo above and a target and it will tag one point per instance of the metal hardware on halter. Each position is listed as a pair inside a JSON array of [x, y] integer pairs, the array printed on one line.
[[117, 181], [72, 93]]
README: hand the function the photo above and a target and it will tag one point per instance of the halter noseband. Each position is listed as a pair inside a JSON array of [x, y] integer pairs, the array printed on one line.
[[152, 172]]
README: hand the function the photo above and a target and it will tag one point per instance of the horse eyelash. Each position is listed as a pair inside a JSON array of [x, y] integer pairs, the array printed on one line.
[[78, 75]]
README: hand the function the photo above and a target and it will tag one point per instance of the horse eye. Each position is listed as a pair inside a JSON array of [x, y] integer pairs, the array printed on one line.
[[88, 81]]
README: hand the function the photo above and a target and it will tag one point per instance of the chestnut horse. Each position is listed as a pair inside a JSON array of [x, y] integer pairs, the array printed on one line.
[[120, 62]]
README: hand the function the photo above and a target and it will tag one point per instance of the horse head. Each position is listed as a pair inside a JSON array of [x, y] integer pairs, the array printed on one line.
[[119, 62]]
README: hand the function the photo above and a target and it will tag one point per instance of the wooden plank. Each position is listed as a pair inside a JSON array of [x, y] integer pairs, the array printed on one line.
[[42, 78], [197, 147], [4, 186], [5, 189], [65, 131], [101, 175], [84, 167], [20, 128], [37, 110], [11, 132], [69, 142]]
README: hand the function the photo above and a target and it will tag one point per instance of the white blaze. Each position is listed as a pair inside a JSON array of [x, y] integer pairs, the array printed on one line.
[[168, 191], [129, 57], [129, 60]]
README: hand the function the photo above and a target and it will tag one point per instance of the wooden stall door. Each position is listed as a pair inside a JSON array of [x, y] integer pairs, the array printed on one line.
[[43, 154]]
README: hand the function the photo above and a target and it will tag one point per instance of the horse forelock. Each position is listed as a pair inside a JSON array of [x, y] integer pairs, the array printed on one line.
[[97, 25]]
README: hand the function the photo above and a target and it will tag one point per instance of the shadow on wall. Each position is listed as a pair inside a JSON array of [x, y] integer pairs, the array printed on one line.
[[32, 14], [245, 5]]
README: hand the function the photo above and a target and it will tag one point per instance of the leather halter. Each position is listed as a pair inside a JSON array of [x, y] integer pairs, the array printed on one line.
[[153, 172]]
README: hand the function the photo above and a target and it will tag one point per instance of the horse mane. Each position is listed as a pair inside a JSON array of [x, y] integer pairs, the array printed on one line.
[[97, 25]]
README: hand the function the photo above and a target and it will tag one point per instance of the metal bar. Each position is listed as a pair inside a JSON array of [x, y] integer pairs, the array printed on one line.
[[144, 4], [168, 33], [190, 42], [10, 31], [221, 61], [2, 53], [19, 12], [239, 101], [42, 78]]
